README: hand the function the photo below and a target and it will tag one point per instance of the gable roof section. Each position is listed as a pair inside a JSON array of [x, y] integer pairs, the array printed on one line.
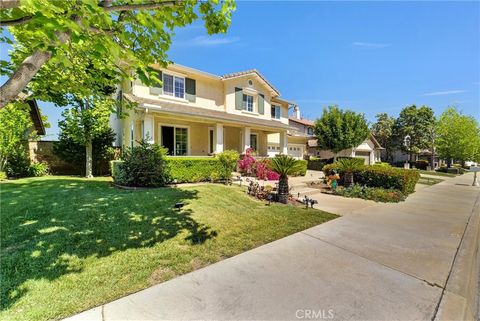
[[36, 117], [196, 112], [306, 122], [252, 72]]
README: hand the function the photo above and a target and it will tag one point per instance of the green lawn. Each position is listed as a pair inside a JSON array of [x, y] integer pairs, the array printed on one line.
[[429, 181], [69, 244], [434, 173]]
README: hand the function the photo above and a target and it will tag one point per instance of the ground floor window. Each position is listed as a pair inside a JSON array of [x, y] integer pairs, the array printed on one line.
[[210, 141], [175, 139], [253, 142]]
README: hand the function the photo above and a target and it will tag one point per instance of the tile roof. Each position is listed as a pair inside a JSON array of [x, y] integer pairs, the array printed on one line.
[[183, 109], [249, 72], [302, 121]]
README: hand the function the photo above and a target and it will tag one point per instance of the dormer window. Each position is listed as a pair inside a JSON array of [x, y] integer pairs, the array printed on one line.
[[276, 113], [173, 86], [247, 103]]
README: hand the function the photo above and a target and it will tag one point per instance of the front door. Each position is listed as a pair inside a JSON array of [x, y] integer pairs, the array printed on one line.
[[168, 139]]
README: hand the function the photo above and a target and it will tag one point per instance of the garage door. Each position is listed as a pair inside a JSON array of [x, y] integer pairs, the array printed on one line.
[[364, 155], [295, 151]]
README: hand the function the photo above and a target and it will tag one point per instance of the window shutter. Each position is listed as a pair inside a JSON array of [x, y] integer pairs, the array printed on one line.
[[238, 98], [157, 89], [190, 89], [261, 104]]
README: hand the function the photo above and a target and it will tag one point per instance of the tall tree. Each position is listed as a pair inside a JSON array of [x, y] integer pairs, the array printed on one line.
[[337, 129], [84, 122], [129, 34], [416, 124], [15, 121], [382, 129], [458, 137]]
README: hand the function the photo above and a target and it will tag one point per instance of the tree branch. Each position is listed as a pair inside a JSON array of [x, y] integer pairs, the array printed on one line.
[[15, 22], [142, 6]]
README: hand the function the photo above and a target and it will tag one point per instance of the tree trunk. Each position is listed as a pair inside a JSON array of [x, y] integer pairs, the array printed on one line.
[[283, 189], [348, 179], [432, 161], [88, 160]]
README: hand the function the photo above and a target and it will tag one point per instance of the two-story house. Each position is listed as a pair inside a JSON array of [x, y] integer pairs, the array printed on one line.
[[195, 113], [300, 132]]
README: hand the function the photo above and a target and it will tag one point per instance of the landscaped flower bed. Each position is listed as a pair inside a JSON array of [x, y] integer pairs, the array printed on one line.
[[371, 193]]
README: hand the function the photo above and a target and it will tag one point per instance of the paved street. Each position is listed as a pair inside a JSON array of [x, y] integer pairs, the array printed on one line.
[[381, 261]]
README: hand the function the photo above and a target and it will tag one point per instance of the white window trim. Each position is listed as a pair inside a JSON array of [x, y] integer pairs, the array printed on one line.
[[280, 112], [254, 105], [174, 75], [174, 137], [132, 133]]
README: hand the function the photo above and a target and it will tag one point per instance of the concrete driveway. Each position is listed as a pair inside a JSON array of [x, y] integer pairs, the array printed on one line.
[[382, 262]]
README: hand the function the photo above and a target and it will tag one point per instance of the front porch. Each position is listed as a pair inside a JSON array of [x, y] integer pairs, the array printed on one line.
[[193, 136]]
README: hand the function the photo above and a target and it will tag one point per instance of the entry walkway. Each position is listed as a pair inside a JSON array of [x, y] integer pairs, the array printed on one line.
[[382, 262]]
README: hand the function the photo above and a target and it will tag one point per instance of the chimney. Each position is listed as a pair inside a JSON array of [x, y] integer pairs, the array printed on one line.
[[296, 112]]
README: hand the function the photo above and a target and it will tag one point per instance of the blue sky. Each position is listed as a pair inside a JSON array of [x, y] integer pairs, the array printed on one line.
[[370, 57]]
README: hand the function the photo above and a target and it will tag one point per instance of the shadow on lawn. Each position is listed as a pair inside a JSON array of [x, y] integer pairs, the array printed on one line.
[[49, 226]]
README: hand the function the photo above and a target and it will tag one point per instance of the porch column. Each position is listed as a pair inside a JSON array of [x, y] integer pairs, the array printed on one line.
[[148, 129], [283, 143], [246, 139], [218, 137]]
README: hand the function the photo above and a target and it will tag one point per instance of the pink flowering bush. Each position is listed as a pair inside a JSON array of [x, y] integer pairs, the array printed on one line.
[[249, 166]]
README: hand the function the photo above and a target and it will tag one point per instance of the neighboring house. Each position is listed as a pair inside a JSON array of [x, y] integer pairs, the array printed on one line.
[[369, 150], [298, 136], [199, 114], [35, 117]]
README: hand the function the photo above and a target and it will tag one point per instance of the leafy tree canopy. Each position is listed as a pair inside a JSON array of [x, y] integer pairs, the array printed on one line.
[[337, 129], [417, 123], [382, 129], [122, 38], [15, 122], [458, 136]]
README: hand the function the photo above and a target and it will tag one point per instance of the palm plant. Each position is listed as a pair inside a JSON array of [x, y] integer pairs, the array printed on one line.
[[347, 166], [284, 165]]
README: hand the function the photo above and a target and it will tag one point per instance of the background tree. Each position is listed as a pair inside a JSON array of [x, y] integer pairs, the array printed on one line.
[[382, 129], [70, 151], [416, 123], [15, 122], [129, 34], [87, 121], [337, 130], [458, 137]]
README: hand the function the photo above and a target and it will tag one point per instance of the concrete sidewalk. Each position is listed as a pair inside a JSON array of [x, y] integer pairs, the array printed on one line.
[[386, 262]]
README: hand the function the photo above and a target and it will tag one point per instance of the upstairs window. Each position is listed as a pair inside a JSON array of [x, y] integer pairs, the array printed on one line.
[[309, 130], [173, 86], [275, 112], [248, 103]]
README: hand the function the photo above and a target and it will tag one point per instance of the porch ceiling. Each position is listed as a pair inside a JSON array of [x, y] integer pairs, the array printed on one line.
[[172, 108]]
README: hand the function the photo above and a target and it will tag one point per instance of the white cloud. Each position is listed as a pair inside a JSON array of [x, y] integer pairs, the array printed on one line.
[[446, 92], [206, 41], [373, 45]]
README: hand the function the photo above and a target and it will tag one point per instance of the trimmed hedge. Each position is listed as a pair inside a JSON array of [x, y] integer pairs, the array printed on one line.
[[379, 176], [316, 165], [451, 170], [194, 169]]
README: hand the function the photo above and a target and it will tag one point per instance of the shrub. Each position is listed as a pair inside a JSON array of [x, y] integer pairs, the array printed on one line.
[[316, 165], [3, 176], [142, 166], [18, 163], [303, 165], [194, 169], [451, 170], [246, 165], [371, 193], [228, 159], [382, 164], [384, 177], [421, 164], [264, 172], [37, 169]]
